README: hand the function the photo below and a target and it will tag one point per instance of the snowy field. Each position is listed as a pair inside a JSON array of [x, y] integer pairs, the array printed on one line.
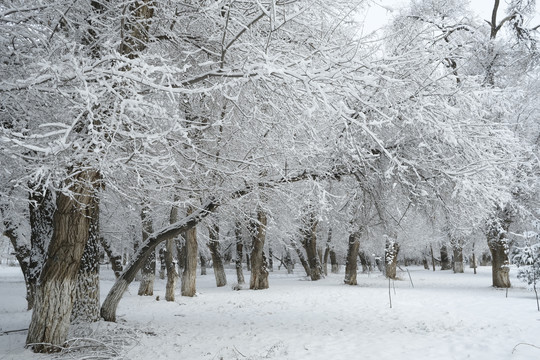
[[445, 316]]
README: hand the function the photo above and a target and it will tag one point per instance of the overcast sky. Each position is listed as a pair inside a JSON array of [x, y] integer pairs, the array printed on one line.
[[378, 15]]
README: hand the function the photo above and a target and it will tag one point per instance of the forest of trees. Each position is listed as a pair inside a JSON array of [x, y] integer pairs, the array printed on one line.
[[204, 131]]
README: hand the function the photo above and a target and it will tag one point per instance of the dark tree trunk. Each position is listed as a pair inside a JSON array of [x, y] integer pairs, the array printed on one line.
[[301, 257], [170, 266], [351, 263], [288, 261], [114, 259], [42, 207], [309, 234], [54, 296], [390, 256], [180, 243], [327, 252], [270, 259], [432, 257], [148, 271], [248, 261], [162, 265], [445, 259], [86, 303], [364, 260], [259, 272], [217, 259], [191, 251], [239, 253], [499, 247], [333, 262]]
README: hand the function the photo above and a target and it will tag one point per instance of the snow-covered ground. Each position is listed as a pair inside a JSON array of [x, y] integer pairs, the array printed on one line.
[[445, 316]]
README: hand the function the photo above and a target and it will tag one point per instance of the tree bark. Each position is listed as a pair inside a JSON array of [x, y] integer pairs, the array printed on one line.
[[191, 251], [309, 234], [170, 266], [259, 272], [217, 259], [239, 253], [114, 259], [445, 260], [54, 296], [86, 303], [288, 261], [327, 252], [301, 257], [390, 257], [364, 260], [499, 247], [148, 271], [204, 263], [457, 248], [351, 264]]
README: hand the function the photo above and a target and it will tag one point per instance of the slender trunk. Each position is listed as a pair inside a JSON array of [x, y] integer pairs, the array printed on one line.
[[189, 275], [54, 296], [239, 253], [333, 262], [148, 271], [270, 259], [364, 261], [248, 261], [351, 264], [473, 262], [217, 259], [327, 252], [86, 303], [432, 257], [114, 259], [301, 257], [162, 265], [203, 264], [390, 256], [445, 260], [170, 266], [259, 272], [310, 244], [288, 261]]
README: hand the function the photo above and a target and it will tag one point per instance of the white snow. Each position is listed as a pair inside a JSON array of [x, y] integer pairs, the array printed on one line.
[[445, 316]]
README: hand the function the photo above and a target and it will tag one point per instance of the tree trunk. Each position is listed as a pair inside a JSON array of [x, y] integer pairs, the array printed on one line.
[[191, 251], [259, 272], [333, 262], [86, 302], [351, 263], [327, 251], [390, 256], [114, 259], [42, 207], [54, 296], [288, 261], [170, 246], [270, 259], [301, 257], [239, 253], [432, 257], [148, 271], [162, 264], [499, 247], [445, 260], [204, 263], [310, 244], [366, 267], [457, 248], [217, 260]]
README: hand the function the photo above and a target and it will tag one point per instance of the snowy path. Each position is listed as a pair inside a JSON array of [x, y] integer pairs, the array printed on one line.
[[446, 316]]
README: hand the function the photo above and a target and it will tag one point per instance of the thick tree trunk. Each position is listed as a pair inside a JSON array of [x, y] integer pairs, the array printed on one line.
[[217, 259], [499, 247], [239, 253], [148, 271], [310, 244], [191, 251], [86, 303], [351, 264], [54, 296], [42, 207], [390, 256], [445, 260], [114, 259], [170, 246], [259, 272]]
